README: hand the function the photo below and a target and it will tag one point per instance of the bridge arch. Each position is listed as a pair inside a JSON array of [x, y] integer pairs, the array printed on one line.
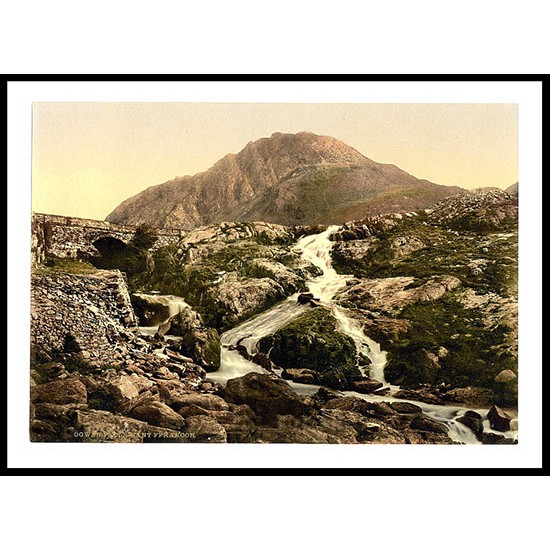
[[108, 244]]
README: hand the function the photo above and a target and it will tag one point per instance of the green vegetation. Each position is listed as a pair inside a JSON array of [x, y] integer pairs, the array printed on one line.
[[57, 266], [172, 273], [313, 341], [445, 253], [473, 354], [473, 221], [203, 346]]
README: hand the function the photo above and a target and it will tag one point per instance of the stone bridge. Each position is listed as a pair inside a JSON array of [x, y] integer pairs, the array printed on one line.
[[65, 236]]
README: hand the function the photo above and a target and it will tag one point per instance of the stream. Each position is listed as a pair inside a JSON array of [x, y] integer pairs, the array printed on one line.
[[316, 249]]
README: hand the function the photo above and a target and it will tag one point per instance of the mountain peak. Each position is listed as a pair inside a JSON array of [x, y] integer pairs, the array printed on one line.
[[300, 178], [303, 148]]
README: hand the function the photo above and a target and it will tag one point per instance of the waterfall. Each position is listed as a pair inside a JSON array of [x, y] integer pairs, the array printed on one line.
[[316, 249]]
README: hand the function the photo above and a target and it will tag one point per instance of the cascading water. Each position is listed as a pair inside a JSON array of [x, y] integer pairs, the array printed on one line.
[[174, 305], [316, 249]]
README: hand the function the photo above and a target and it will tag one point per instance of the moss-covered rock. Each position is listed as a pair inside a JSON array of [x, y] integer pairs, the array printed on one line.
[[447, 342], [314, 342], [200, 343], [484, 261]]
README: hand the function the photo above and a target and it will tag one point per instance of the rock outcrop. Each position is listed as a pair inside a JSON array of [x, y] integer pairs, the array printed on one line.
[[198, 342], [482, 209], [267, 397], [391, 294], [312, 342]]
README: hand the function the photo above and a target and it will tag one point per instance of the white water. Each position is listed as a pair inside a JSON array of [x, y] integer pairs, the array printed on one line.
[[316, 249], [175, 304]]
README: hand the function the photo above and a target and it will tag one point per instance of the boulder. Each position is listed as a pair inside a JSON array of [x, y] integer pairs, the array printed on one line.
[[237, 423], [150, 310], [133, 369], [312, 341], [302, 376], [199, 344], [203, 346], [173, 392], [306, 298], [164, 373], [420, 437], [158, 414], [426, 424], [61, 392], [506, 377], [365, 428], [381, 410], [324, 394], [53, 423], [230, 302], [175, 356], [499, 419], [422, 395], [366, 385], [187, 319], [402, 407], [243, 351], [283, 275], [322, 428], [115, 392], [413, 368], [266, 396], [207, 401], [350, 403], [140, 382], [205, 429], [475, 424], [480, 397], [263, 360], [122, 390], [192, 410]]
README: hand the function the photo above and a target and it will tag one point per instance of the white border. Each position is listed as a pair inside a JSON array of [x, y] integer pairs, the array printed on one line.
[[22, 453]]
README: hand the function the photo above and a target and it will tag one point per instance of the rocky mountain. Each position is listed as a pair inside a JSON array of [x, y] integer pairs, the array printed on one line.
[[288, 179], [486, 208]]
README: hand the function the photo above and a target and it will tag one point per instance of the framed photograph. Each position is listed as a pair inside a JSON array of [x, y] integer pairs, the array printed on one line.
[[279, 275]]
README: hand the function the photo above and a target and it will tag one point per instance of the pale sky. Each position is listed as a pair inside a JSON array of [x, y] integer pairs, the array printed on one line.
[[89, 157]]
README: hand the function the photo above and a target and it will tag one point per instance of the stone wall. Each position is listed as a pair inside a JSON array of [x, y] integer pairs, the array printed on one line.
[[65, 236], [91, 312]]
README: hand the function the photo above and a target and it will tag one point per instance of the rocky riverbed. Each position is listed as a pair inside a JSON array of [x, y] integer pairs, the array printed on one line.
[[410, 338]]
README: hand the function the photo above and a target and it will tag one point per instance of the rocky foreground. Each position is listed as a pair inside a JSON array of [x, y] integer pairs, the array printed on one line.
[[94, 378], [157, 406]]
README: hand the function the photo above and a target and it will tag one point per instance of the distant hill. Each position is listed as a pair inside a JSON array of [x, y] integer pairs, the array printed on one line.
[[288, 179]]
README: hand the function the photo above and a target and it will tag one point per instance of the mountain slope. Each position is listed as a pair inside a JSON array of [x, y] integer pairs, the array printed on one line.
[[288, 178]]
